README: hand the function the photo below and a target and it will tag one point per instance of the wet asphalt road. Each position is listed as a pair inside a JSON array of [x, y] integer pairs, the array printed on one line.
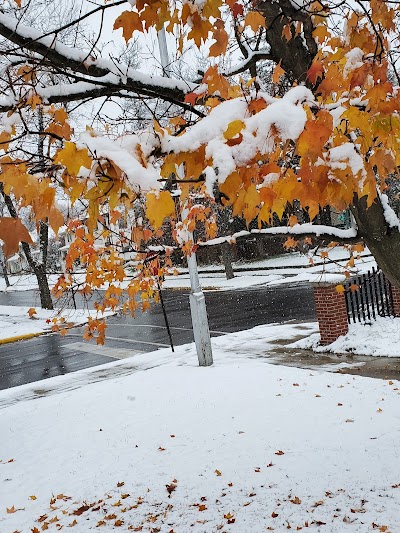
[[51, 355]]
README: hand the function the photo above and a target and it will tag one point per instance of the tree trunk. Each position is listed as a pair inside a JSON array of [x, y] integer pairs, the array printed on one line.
[[4, 269], [43, 284], [382, 240], [297, 54], [226, 256], [39, 269]]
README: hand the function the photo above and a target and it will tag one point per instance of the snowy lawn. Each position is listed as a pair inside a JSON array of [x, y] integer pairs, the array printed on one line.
[[379, 338], [295, 271], [24, 282], [242, 446], [15, 321]]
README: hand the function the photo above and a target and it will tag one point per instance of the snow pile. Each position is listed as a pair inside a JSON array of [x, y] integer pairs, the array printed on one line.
[[240, 446], [380, 338]]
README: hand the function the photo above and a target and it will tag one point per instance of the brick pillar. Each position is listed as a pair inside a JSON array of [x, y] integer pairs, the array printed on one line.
[[330, 306], [396, 300]]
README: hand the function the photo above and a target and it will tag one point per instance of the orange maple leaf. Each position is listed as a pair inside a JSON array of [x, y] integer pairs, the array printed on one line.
[[12, 232], [255, 20]]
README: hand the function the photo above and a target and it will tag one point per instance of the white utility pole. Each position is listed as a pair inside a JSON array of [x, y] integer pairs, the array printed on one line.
[[197, 300], [198, 311], [163, 48]]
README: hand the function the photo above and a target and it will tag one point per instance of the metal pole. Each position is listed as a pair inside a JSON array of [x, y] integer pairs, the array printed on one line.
[[198, 311], [197, 301], [165, 316], [162, 45]]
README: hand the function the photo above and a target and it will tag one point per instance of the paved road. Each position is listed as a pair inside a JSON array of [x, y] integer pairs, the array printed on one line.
[[229, 311]]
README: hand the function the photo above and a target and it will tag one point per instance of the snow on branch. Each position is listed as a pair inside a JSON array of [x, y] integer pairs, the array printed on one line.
[[303, 230], [389, 214], [82, 62], [248, 62]]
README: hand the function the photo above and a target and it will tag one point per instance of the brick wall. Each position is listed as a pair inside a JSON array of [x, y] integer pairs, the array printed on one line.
[[331, 312]]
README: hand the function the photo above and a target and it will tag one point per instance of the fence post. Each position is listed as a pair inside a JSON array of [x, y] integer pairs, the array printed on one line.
[[396, 300], [330, 306]]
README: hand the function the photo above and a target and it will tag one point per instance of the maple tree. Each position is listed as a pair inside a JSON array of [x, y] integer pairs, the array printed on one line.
[[320, 129]]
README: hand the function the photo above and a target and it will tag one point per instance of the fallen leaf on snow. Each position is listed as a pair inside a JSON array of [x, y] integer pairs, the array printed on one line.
[[171, 488]]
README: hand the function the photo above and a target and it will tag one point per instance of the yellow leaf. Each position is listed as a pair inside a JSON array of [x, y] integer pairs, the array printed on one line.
[[290, 243], [218, 472], [254, 20], [73, 159], [60, 115], [12, 232], [286, 32], [278, 73], [32, 498], [158, 207], [129, 21], [340, 288], [221, 38], [234, 128]]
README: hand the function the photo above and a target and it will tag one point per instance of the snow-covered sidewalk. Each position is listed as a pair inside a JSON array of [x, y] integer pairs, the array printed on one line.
[[156, 444]]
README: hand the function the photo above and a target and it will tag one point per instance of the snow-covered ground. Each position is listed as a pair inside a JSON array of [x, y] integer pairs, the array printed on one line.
[[380, 338], [24, 282], [156, 444], [16, 321], [285, 269]]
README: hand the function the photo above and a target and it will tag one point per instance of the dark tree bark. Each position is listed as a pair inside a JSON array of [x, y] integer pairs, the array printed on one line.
[[38, 268], [4, 269], [297, 54], [382, 240], [226, 256]]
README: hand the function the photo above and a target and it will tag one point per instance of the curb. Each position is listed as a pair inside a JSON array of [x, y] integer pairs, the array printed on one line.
[[22, 337]]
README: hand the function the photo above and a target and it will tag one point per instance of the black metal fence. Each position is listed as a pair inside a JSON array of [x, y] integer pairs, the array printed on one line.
[[368, 296]]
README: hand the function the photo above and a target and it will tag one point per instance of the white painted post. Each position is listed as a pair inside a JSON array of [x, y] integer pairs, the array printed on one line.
[[198, 311], [197, 300], [162, 46]]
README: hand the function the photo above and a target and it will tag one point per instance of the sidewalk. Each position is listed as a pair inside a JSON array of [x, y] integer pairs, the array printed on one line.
[[239, 446]]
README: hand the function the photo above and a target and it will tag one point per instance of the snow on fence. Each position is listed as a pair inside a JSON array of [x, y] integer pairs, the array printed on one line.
[[368, 296]]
